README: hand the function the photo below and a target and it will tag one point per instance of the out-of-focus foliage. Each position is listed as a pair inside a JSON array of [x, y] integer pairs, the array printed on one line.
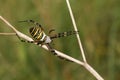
[[98, 22]]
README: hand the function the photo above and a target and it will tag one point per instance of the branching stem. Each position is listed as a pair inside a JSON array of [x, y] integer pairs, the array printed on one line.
[[75, 28], [86, 65], [82, 63]]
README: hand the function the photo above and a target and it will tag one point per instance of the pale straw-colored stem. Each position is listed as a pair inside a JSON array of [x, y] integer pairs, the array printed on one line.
[[92, 71], [75, 28], [8, 34], [86, 65], [65, 56], [8, 24]]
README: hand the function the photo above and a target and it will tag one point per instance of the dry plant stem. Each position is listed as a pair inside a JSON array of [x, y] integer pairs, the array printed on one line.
[[15, 30], [75, 28], [86, 65], [66, 56], [92, 71], [45, 47], [8, 23], [8, 34]]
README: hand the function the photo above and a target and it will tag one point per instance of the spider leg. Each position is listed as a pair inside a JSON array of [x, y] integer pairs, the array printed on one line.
[[51, 31], [38, 42], [24, 40], [64, 34], [54, 53], [32, 21]]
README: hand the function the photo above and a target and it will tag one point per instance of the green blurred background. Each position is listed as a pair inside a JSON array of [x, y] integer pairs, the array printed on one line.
[[98, 22]]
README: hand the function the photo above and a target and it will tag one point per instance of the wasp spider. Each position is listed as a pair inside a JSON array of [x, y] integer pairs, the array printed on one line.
[[39, 36]]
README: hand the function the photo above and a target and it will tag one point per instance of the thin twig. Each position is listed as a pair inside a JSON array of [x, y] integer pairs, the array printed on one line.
[[8, 34], [92, 71], [66, 56], [75, 28], [86, 65], [8, 24]]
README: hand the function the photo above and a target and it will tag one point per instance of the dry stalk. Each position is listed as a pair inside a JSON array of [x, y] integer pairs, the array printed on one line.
[[86, 65]]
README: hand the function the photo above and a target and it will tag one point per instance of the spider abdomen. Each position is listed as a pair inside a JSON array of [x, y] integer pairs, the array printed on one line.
[[37, 33]]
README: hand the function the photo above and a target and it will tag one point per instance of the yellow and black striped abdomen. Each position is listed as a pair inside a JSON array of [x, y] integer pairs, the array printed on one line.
[[37, 33]]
